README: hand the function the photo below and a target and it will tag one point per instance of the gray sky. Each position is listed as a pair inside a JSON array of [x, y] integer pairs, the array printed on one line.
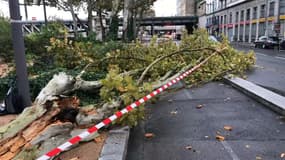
[[161, 7], [165, 7]]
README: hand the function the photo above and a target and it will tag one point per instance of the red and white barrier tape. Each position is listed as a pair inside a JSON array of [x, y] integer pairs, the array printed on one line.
[[117, 115]]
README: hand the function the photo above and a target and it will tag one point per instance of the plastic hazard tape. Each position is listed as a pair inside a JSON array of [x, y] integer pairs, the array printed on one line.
[[117, 115]]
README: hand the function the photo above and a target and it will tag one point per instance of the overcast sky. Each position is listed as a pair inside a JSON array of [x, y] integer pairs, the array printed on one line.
[[165, 7], [161, 7]]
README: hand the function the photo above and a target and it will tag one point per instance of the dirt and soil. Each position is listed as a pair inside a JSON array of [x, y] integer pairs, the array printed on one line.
[[85, 151]]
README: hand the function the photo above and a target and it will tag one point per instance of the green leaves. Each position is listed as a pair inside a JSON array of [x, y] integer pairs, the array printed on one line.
[[118, 58], [117, 86]]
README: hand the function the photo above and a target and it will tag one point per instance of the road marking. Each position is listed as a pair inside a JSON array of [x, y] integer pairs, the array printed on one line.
[[188, 95], [280, 57], [230, 150], [261, 54], [258, 66]]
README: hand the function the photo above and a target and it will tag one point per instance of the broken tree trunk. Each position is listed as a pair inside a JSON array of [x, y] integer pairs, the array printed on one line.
[[53, 117]]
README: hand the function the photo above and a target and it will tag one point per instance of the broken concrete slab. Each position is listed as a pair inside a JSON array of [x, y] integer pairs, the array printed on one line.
[[115, 147]]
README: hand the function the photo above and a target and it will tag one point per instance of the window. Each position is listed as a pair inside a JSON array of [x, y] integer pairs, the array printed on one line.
[[225, 18], [254, 15], [221, 20], [271, 8], [248, 14], [282, 7], [262, 11], [217, 20], [237, 15], [231, 18], [242, 15]]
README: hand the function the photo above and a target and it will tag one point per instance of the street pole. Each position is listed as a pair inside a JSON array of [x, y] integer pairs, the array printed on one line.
[[19, 54], [26, 10], [266, 18], [278, 24]]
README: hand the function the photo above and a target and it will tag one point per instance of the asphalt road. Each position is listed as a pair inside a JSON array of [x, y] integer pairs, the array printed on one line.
[[269, 71], [176, 123]]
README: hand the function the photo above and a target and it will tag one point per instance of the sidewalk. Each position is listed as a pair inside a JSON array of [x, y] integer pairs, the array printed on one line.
[[243, 44], [182, 132]]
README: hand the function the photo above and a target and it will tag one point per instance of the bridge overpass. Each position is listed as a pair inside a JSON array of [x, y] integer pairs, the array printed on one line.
[[188, 21]]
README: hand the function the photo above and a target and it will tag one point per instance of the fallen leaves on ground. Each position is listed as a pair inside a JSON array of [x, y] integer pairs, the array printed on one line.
[[227, 99], [170, 100], [282, 155], [188, 147], [99, 139], [199, 106], [228, 128], [173, 112], [148, 135], [220, 138], [281, 117]]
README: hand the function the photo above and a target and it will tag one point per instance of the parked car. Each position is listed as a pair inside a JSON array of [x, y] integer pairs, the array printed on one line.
[[213, 38], [266, 42]]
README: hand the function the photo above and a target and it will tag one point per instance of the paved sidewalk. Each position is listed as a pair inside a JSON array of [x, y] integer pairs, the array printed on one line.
[[243, 44], [176, 123]]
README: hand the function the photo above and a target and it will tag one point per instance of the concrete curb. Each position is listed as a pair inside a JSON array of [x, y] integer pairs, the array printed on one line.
[[116, 144], [268, 98]]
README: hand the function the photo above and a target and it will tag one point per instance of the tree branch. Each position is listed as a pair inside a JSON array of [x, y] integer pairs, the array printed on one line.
[[170, 55]]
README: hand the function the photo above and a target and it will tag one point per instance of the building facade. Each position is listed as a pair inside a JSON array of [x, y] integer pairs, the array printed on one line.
[[185, 7], [201, 13], [245, 20]]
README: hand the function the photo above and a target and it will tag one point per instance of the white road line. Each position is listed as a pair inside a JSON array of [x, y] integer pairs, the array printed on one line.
[[188, 95], [186, 92], [261, 54], [280, 57], [230, 150]]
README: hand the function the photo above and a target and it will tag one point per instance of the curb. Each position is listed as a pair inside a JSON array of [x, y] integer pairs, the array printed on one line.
[[116, 144], [268, 98]]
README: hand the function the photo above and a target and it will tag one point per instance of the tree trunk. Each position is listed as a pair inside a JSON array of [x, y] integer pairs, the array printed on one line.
[[90, 16], [134, 25], [74, 21], [115, 10], [139, 23], [101, 22], [113, 26], [126, 19]]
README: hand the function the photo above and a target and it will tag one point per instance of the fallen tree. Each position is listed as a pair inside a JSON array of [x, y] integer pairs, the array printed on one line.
[[55, 113]]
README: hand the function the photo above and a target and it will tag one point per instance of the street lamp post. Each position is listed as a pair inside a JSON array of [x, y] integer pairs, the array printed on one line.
[[19, 54], [266, 18], [278, 26]]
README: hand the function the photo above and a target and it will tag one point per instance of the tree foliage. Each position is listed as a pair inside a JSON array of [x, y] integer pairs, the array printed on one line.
[[150, 65], [5, 39]]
